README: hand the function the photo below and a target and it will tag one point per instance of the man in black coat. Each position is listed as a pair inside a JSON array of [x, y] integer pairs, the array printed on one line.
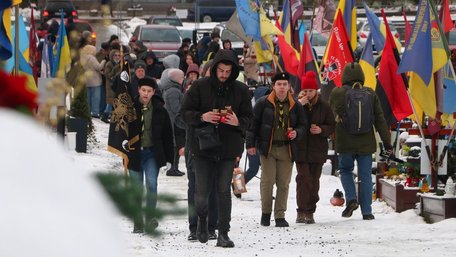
[[200, 108]]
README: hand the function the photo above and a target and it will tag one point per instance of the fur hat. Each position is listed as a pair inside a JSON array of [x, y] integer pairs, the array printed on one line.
[[309, 81], [148, 81], [352, 73], [280, 76], [140, 64]]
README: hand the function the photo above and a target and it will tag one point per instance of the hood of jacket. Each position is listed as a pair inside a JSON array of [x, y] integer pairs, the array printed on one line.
[[171, 61], [225, 55], [166, 83]]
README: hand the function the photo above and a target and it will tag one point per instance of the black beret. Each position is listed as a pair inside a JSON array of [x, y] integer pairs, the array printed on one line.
[[280, 76], [148, 81]]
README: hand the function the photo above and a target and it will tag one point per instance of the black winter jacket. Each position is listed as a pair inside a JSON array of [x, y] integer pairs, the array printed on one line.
[[162, 135], [260, 134], [208, 93]]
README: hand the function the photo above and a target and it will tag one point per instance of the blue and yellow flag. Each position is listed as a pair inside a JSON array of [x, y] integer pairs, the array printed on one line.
[[6, 49], [378, 30], [284, 20], [24, 44], [264, 48], [249, 16], [367, 64], [426, 43], [62, 57]]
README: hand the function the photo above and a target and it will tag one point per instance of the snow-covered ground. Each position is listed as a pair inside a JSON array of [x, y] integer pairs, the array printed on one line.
[[52, 207], [390, 234]]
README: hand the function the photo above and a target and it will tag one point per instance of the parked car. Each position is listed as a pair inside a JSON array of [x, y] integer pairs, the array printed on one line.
[[53, 9], [185, 32], [236, 42], [163, 40], [165, 20], [79, 25], [318, 42], [363, 29], [211, 10]]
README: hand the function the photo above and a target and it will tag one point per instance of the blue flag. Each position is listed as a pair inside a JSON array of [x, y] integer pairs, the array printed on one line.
[[5, 4], [449, 89], [375, 28], [418, 51], [249, 16], [6, 49]]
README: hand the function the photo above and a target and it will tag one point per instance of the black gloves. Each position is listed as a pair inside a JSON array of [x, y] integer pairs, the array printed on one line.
[[388, 148]]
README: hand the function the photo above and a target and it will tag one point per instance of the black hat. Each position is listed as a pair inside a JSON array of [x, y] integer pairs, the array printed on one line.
[[140, 64], [352, 73], [186, 40], [147, 81], [280, 76]]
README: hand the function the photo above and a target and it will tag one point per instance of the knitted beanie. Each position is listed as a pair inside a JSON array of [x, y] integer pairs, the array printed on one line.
[[309, 81], [352, 73]]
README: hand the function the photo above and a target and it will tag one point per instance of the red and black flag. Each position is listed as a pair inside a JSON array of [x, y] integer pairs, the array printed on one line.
[[307, 61], [338, 53], [120, 137], [391, 88]]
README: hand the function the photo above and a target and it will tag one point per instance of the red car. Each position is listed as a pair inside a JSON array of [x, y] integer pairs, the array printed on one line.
[[163, 40]]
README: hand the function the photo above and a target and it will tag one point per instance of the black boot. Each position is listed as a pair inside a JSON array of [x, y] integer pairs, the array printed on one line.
[[350, 207], [223, 240], [202, 232], [266, 219], [138, 225], [105, 117]]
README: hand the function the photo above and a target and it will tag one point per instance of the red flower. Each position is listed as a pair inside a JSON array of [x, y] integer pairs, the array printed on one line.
[[15, 94]]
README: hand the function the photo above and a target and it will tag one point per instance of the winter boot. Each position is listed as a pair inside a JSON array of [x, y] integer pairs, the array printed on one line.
[[281, 223], [300, 218], [151, 225], [265, 219], [202, 232], [309, 218], [223, 240], [368, 217], [350, 207], [105, 117], [138, 225]]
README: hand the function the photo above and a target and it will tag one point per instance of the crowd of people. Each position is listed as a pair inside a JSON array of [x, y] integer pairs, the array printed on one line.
[[196, 104]]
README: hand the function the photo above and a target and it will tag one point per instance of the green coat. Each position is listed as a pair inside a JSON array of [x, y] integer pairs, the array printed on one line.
[[362, 143]]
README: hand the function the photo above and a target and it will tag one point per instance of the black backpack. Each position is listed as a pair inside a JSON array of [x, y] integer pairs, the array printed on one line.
[[358, 117]]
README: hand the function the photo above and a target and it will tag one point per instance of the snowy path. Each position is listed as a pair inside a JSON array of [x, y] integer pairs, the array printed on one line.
[[390, 234]]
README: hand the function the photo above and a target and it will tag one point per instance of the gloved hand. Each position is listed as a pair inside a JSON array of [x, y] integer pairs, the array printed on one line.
[[388, 148]]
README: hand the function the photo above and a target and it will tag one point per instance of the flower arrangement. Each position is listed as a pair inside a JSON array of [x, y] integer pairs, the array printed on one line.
[[15, 94]]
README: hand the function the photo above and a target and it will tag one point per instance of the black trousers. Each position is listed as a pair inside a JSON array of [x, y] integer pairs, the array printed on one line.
[[210, 171], [213, 212]]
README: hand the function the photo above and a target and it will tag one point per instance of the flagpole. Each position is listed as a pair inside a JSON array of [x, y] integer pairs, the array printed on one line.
[[16, 40]]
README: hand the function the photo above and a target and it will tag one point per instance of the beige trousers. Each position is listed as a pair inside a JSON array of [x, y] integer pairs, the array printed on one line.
[[276, 170]]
